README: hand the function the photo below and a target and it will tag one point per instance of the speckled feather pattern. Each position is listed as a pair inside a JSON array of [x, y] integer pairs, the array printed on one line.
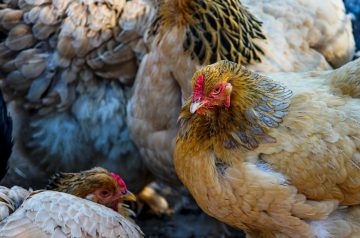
[[276, 189], [214, 29], [55, 214]]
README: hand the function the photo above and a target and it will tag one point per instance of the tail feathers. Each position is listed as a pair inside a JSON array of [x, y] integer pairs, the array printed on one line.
[[343, 223], [6, 142], [11, 199], [347, 79]]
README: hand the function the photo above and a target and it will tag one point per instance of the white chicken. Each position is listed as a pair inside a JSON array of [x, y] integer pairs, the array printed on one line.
[[55, 214]]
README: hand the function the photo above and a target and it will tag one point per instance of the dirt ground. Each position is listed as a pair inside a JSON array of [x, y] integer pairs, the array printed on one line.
[[187, 221]]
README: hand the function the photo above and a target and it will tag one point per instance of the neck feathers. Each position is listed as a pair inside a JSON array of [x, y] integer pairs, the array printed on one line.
[[257, 105], [214, 29]]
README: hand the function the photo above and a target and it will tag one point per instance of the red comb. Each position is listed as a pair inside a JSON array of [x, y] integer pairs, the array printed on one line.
[[119, 180], [198, 89]]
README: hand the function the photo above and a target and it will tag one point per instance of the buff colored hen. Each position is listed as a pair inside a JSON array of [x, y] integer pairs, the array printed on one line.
[[61, 214], [274, 35], [274, 155], [67, 67]]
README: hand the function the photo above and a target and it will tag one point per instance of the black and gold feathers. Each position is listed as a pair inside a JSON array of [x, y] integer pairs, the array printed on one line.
[[82, 183], [215, 29]]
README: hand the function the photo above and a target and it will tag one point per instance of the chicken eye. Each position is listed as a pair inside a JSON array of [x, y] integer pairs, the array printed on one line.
[[216, 91], [105, 193], [123, 192]]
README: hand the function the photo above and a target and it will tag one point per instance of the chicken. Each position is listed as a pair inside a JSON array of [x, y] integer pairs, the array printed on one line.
[[55, 214], [97, 185], [272, 155], [67, 70], [58, 213], [6, 142], [274, 35]]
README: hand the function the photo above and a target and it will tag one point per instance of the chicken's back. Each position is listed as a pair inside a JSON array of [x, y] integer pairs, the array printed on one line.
[[53, 214], [304, 35], [319, 135]]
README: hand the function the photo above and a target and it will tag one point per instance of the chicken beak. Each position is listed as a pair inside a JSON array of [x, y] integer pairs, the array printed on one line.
[[195, 106], [129, 196]]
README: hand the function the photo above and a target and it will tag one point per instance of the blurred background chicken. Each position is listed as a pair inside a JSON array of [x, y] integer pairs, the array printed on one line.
[[67, 68], [274, 155], [267, 36], [6, 142], [66, 213]]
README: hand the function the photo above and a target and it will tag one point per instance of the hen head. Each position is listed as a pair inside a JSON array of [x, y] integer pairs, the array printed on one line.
[[233, 104], [97, 185], [211, 89]]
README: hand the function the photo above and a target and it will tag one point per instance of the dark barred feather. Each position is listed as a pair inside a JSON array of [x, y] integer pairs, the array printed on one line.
[[56, 180], [217, 30], [223, 30]]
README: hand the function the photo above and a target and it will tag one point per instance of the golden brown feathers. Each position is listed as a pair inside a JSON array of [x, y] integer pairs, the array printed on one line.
[[83, 183], [257, 104], [291, 186]]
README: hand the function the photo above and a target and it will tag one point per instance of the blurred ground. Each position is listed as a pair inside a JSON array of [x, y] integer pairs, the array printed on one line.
[[188, 221]]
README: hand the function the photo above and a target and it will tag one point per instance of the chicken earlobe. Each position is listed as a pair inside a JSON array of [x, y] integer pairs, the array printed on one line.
[[211, 26], [262, 104]]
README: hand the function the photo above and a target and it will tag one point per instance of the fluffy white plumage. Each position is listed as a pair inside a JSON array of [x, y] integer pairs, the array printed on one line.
[[55, 214]]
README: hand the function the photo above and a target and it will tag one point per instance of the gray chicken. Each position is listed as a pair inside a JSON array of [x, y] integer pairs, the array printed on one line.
[[66, 68]]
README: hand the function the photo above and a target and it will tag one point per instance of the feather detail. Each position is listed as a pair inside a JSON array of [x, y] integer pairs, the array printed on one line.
[[94, 178], [215, 30], [50, 47], [55, 214]]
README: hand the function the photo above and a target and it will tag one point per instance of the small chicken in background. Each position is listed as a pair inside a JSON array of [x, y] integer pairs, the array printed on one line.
[[274, 155], [66, 211], [6, 142], [266, 36], [66, 70]]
